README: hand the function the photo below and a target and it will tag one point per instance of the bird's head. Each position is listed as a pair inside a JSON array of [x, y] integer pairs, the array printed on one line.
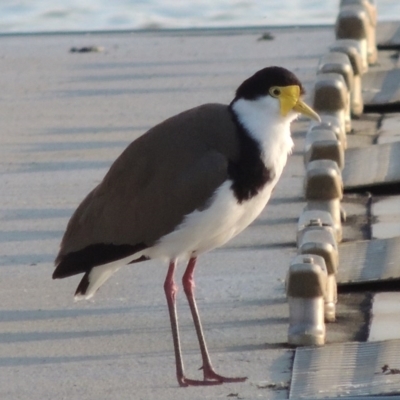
[[279, 89]]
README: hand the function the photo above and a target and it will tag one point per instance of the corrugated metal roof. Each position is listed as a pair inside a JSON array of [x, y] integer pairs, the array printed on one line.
[[386, 217], [346, 369], [381, 87], [385, 322], [388, 35], [369, 260], [373, 165]]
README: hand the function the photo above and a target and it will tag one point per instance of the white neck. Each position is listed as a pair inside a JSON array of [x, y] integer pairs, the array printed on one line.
[[264, 122]]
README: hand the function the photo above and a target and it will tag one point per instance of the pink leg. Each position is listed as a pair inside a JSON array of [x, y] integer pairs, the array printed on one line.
[[171, 289], [208, 371]]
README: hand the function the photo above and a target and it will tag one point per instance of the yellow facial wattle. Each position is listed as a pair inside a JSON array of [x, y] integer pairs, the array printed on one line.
[[289, 99]]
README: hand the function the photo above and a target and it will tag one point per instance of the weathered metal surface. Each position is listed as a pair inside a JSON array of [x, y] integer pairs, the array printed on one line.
[[373, 165], [386, 217], [388, 35], [381, 87], [346, 369], [369, 260], [389, 130], [385, 321]]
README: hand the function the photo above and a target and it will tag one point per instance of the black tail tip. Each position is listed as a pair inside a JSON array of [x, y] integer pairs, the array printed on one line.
[[83, 285]]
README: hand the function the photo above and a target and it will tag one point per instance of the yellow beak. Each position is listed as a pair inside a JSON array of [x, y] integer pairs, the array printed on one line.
[[290, 100]]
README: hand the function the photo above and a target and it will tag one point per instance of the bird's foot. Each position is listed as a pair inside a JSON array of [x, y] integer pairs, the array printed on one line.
[[211, 375], [210, 378], [184, 382]]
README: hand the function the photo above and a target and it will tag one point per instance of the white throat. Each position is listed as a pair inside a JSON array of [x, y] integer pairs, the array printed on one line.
[[264, 122]]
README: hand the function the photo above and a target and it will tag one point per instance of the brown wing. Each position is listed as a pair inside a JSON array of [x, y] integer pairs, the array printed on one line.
[[164, 175]]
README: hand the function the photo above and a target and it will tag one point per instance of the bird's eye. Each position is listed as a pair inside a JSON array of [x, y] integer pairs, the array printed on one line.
[[275, 91]]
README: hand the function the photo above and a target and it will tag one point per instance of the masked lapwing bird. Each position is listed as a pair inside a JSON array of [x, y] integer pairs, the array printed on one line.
[[185, 187]]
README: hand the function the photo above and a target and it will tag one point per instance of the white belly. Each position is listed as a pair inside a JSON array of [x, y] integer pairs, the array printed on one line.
[[205, 230]]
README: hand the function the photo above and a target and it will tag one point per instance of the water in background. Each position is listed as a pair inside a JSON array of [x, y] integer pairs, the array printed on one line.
[[86, 15]]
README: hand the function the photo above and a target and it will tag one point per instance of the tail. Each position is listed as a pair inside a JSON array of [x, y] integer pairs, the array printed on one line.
[[93, 279], [98, 262]]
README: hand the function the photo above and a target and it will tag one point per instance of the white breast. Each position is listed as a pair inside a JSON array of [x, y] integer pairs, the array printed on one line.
[[268, 127], [205, 230]]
